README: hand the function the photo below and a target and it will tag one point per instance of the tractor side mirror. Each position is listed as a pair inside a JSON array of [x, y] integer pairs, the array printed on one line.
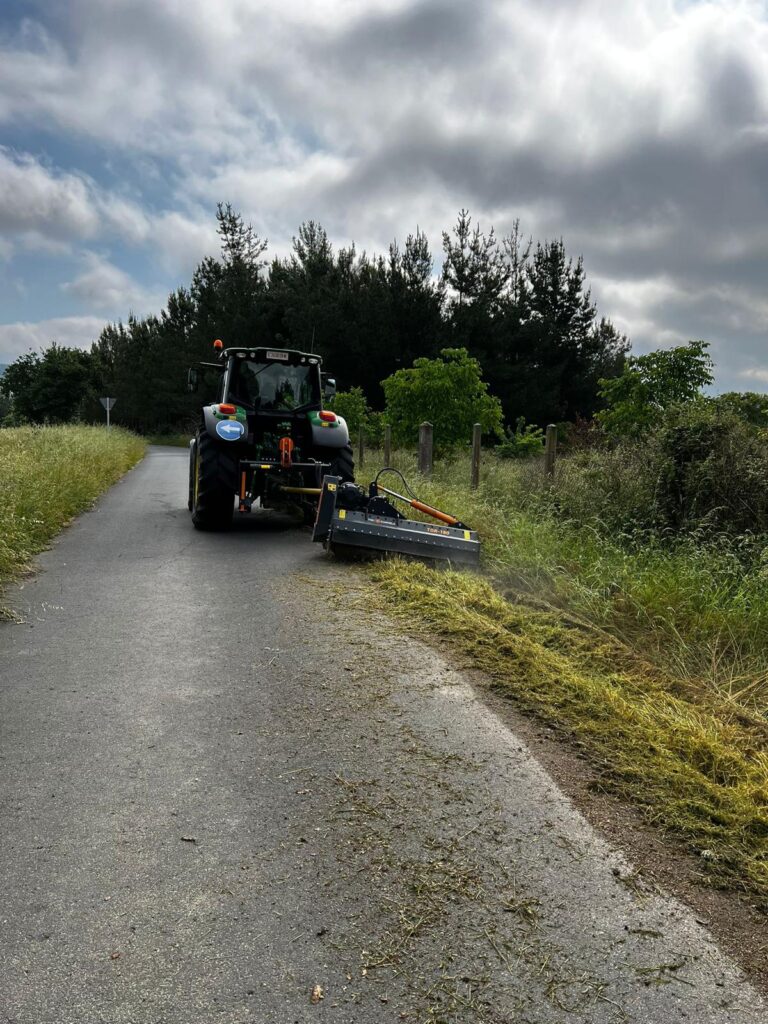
[[329, 387], [191, 379]]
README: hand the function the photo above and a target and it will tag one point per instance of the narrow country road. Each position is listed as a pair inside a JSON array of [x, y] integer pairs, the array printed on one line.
[[229, 794]]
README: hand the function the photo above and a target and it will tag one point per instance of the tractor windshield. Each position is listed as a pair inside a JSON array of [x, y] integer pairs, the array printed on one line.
[[273, 387]]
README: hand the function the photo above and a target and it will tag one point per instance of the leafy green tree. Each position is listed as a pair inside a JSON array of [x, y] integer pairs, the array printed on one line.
[[352, 406], [448, 392], [749, 406], [652, 383], [52, 387]]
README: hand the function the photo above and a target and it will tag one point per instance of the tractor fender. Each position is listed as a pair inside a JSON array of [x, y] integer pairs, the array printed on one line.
[[210, 422], [331, 437]]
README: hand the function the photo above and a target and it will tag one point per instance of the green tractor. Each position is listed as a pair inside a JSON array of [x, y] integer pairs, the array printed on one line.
[[266, 440]]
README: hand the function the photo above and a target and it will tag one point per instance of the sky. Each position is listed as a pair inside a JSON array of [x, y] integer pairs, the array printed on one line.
[[636, 130]]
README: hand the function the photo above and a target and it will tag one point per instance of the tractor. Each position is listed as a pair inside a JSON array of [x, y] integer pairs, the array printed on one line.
[[266, 441]]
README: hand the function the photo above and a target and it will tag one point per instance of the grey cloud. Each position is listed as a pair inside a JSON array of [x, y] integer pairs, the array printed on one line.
[[425, 32], [636, 131]]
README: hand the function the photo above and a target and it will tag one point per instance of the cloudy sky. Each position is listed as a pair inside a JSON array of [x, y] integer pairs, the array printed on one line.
[[635, 129]]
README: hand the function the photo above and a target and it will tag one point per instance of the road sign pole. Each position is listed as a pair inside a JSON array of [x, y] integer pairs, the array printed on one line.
[[108, 403]]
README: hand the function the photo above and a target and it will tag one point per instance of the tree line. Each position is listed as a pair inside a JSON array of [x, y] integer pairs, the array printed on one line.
[[523, 310]]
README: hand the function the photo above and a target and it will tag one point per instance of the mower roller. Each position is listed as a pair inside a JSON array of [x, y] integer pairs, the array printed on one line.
[[351, 521]]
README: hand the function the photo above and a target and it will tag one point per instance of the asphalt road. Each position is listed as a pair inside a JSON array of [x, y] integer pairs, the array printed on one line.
[[225, 784]]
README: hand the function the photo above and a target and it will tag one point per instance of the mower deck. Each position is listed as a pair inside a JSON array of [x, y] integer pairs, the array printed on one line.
[[375, 526]]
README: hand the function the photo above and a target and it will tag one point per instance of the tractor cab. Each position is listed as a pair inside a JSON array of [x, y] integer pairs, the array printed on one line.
[[271, 381]]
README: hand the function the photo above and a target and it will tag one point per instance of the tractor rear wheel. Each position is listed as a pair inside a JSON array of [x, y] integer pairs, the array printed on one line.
[[192, 466], [214, 484], [343, 464]]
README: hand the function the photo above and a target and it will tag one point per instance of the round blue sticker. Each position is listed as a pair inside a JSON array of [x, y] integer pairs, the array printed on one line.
[[230, 430]]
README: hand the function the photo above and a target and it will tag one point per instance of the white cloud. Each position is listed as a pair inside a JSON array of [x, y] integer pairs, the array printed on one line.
[[180, 242], [103, 286], [74, 331], [34, 199]]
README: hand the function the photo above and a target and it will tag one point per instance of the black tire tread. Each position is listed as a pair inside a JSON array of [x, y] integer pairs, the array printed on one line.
[[343, 463], [216, 489]]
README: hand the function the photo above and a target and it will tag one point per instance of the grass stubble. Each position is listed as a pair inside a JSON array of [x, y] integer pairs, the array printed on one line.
[[644, 657]]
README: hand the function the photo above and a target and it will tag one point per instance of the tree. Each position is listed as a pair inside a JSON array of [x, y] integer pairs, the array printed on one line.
[[352, 406], [749, 406], [474, 267], [449, 392], [52, 387], [558, 351], [652, 383]]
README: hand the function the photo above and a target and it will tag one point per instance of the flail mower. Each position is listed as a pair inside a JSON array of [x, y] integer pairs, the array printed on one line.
[[351, 521]]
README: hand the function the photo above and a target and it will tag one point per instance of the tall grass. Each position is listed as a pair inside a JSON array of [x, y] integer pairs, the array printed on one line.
[[651, 649], [696, 604], [47, 476]]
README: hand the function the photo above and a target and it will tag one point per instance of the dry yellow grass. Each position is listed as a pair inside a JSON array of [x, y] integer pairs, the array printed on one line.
[[696, 764]]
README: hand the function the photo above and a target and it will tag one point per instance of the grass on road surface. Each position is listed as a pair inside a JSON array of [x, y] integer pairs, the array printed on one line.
[[47, 476], [648, 657]]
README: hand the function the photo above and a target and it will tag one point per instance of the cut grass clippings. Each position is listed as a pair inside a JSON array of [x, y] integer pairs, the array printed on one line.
[[47, 476], [698, 768]]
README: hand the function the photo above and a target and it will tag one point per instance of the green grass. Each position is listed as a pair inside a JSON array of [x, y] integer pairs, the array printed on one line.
[[697, 609], [47, 476], [174, 440], [653, 655]]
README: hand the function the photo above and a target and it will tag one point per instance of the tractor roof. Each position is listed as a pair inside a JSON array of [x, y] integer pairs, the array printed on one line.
[[277, 355]]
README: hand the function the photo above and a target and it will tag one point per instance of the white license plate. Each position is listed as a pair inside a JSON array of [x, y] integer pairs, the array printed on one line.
[[278, 355]]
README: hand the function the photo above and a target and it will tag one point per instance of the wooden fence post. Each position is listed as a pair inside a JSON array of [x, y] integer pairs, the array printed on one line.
[[361, 446], [425, 449], [477, 431], [387, 445], [550, 449]]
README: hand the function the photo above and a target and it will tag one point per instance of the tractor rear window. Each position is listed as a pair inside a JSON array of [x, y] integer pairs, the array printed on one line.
[[277, 387]]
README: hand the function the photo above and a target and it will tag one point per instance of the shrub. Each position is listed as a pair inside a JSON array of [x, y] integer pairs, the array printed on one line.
[[521, 443]]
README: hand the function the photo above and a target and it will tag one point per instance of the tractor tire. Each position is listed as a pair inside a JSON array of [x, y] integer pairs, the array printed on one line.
[[343, 464], [214, 485], [192, 450]]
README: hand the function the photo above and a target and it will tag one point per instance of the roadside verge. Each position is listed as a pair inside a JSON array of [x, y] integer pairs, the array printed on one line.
[[47, 476], [697, 769]]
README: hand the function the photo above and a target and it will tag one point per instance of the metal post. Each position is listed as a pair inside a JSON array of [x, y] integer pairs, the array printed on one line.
[[361, 446], [387, 445], [107, 417], [477, 431], [550, 449], [425, 449]]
